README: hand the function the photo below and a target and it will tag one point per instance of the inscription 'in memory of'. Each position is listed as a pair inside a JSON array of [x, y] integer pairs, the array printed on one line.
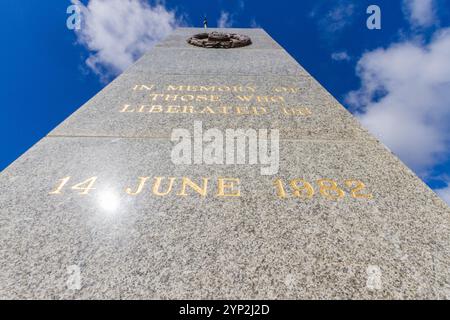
[[208, 99]]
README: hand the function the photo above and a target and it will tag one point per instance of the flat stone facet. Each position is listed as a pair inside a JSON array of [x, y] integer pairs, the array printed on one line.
[[98, 210]]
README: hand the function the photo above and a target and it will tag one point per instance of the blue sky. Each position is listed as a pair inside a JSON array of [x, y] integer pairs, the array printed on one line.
[[395, 80]]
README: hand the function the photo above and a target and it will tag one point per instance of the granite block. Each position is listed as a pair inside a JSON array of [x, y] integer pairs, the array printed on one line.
[[252, 246]]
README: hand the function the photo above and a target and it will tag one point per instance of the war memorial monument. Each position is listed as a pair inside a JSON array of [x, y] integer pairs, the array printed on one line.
[[99, 208]]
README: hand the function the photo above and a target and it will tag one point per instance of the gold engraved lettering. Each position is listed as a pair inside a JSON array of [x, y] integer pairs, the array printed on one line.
[[188, 109], [173, 109], [188, 182], [330, 190], [242, 110], [157, 184], [224, 109], [251, 88], [211, 88], [184, 98], [156, 109], [155, 96], [281, 193], [207, 110], [142, 181], [286, 111], [223, 88], [302, 111], [304, 190], [143, 87], [261, 99], [207, 88], [175, 88], [126, 108], [60, 186], [258, 110], [142, 108], [270, 99], [298, 111], [229, 187], [223, 184], [171, 97], [86, 186], [355, 192], [245, 98], [201, 98], [287, 89], [214, 98]]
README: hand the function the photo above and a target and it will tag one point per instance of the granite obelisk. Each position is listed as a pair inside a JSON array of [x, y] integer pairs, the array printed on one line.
[[98, 209]]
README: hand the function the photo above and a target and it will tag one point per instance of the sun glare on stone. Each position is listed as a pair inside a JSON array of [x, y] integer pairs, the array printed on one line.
[[108, 201]]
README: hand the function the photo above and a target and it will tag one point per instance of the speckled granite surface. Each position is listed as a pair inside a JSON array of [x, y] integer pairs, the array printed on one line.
[[81, 215]]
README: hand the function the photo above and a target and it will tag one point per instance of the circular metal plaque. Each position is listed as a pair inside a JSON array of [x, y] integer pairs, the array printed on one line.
[[219, 40]]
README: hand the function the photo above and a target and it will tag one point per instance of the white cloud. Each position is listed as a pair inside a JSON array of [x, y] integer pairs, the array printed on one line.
[[117, 32], [333, 17], [421, 13], [404, 99], [340, 56], [225, 20], [338, 17]]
